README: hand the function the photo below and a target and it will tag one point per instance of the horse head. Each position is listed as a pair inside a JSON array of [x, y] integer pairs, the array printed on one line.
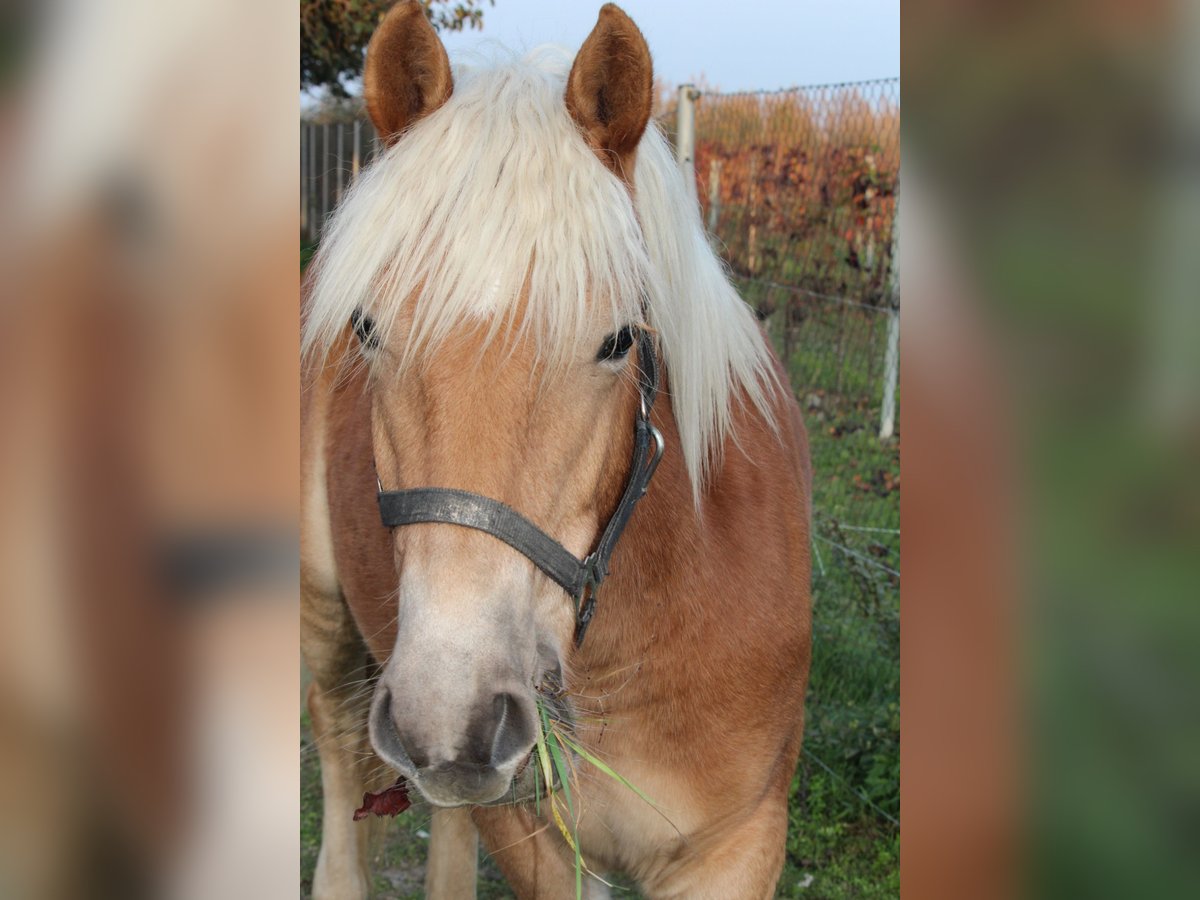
[[502, 343]]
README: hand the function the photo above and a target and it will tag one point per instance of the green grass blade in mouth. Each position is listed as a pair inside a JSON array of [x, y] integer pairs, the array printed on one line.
[[550, 754], [608, 770], [560, 766], [544, 760], [537, 791], [605, 768]]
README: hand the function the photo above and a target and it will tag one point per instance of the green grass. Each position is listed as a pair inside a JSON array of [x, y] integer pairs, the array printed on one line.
[[845, 795]]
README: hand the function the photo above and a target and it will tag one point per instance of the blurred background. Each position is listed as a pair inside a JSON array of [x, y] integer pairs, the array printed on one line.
[[148, 334], [1047, 257], [1050, 228]]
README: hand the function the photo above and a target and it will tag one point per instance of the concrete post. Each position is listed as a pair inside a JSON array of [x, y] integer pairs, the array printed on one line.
[[891, 360]]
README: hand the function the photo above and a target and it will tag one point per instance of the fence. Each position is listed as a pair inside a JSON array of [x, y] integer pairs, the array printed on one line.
[[331, 154], [799, 191]]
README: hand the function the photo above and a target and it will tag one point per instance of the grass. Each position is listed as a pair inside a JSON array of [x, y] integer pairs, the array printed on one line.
[[843, 839], [843, 836]]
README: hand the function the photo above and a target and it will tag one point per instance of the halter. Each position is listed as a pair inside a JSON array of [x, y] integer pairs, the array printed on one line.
[[580, 578]]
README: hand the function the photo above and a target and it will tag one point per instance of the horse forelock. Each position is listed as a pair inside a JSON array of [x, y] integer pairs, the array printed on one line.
[[494, 210]]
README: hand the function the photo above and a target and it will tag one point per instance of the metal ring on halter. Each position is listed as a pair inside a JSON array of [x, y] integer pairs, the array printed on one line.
[[660, 445]]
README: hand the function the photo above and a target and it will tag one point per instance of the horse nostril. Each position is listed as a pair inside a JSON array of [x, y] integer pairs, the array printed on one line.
[[500, 731], [386, 736], [514, 734]]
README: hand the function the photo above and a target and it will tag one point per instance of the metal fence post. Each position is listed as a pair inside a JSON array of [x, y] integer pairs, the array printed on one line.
[[340, 133], [303, 180], [356, 161], [323, 179], [685, 135], [891, 364]]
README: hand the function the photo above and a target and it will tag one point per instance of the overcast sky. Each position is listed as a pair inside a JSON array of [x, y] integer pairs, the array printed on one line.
[[755, 44]]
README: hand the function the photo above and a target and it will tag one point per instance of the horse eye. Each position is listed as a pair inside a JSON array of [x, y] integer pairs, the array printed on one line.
[[364, 327], [616, 345]]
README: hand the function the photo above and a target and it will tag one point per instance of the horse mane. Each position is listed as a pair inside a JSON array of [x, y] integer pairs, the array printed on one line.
[[496, 197]]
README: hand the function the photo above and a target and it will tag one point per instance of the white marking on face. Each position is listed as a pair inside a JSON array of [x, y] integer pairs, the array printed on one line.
[[467, 633]]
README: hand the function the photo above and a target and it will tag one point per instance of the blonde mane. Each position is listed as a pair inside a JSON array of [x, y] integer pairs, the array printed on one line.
[[496, 195]]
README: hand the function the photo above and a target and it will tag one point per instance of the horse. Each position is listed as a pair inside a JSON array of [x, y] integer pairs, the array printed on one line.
[[494, 309]]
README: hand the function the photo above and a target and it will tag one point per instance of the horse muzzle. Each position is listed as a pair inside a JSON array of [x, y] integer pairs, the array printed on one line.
[[476, 767]]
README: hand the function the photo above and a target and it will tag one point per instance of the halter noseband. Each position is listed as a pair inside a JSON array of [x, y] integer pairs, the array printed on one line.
[[580, 578]]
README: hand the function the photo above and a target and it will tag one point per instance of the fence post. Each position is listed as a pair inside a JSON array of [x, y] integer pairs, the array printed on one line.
[[337, 161], [685, 135], [324, 179], [891, 361], [356, 161], [714, 195], [310, 168], [303, 180]]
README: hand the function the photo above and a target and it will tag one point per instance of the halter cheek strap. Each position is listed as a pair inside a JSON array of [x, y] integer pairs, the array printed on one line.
[[580, 578]]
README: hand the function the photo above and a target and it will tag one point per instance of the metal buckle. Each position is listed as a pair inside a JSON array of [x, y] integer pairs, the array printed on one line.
[[585, 600], [660, 445], [585, 608], [592, 576]]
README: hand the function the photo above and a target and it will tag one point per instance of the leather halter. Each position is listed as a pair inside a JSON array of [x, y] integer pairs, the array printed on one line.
[[580, 578]]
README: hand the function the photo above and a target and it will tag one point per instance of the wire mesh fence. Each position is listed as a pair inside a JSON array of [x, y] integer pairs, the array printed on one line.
[[799, 191]]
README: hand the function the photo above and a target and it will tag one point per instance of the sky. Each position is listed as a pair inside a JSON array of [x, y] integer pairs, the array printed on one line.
[[755, 45]]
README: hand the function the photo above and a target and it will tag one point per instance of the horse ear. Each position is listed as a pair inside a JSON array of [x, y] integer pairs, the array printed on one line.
[[610, 88], [407, 74]]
